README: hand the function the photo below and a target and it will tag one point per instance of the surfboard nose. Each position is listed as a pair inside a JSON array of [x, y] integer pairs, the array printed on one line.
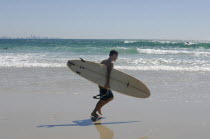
[[69, 63]]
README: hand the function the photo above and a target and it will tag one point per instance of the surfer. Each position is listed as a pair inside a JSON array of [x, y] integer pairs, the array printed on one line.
[[106, 94]]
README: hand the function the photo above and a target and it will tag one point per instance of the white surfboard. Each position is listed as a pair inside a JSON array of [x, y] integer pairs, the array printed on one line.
[[119, 81]]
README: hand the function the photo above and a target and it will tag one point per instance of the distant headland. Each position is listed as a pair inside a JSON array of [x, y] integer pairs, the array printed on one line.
[[29, 37]]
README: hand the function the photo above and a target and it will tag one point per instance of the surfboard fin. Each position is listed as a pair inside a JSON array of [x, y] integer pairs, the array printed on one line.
[[82, 60]]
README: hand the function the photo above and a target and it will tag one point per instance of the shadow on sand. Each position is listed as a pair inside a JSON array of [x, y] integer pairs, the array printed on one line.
[[86, 122], [103, 130]]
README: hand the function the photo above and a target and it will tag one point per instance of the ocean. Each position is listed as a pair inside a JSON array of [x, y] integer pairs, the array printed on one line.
[[174, 71], [151, 55]]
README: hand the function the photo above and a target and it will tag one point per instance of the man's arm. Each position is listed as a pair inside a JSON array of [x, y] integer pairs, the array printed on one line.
[[109, 69]]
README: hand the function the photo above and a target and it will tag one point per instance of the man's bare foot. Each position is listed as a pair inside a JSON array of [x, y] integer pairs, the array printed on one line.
[[94, 115], [99, 111]]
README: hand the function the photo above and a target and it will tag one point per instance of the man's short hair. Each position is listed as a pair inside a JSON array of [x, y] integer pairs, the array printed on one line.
[[113, 52]]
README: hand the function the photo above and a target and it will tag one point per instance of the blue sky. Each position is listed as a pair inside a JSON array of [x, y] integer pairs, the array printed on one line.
[[106, 19]]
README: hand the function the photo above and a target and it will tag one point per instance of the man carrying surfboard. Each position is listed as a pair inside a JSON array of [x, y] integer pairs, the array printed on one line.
[[106, 94]]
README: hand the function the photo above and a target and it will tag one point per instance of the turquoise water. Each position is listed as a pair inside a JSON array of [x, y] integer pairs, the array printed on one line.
[[133, 54]]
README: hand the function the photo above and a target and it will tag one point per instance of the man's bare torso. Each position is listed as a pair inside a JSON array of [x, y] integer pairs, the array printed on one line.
[[109, 65], [107, 62]]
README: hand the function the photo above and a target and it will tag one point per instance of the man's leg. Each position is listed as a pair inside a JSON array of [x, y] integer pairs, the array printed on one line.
[[98, 105], [107, 101]]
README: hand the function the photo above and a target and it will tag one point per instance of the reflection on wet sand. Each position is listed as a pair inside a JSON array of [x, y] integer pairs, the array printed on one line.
[[105, 132]]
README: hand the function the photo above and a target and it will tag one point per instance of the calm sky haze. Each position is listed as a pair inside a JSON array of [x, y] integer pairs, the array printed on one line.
[[106, 19]]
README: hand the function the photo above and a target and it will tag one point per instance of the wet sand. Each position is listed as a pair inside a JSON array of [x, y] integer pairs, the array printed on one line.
[[40, 103]]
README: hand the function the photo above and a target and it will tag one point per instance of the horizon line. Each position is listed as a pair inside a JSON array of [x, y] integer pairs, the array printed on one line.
[[49, 38]]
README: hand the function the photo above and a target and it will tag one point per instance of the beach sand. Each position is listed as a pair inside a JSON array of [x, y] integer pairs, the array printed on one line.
[[40, 103]]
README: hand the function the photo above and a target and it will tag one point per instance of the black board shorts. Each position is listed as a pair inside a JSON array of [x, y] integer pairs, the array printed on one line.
[[105, 94]]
